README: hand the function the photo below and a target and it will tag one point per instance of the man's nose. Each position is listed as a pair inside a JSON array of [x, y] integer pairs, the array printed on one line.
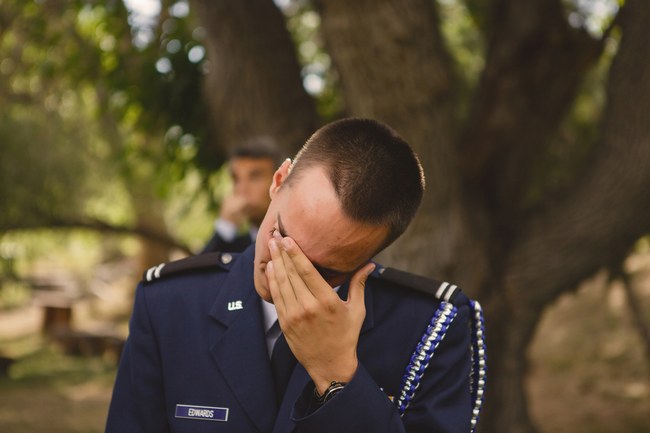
[[241, 188]]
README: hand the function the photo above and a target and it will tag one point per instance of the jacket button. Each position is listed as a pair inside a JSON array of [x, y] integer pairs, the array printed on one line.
[[226, 258]]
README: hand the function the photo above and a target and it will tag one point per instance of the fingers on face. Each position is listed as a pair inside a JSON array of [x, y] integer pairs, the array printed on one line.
[[363, 273], [279, 274], [359, 279], [293, 276], [305, 270], [276, 296]]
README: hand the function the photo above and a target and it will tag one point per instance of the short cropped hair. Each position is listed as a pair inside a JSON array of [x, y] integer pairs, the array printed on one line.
[[260, 147], [375, 173]]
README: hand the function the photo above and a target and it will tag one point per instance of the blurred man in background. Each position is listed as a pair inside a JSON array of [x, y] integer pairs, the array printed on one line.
[[251, 169]]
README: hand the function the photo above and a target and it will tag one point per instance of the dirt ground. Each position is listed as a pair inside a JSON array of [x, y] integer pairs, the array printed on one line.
[[48, 409], [588, 372]]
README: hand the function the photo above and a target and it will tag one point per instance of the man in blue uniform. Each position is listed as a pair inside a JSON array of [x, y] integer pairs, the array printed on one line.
[[205, 351]]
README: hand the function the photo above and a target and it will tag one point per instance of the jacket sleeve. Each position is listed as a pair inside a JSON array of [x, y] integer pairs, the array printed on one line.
[[138, 405], [441, 404]]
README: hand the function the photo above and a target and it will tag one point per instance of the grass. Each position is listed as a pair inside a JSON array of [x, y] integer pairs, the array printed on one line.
[[47, 391]]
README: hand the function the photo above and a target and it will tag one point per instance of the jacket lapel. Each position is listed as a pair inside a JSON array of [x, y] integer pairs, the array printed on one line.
[[239, 347]]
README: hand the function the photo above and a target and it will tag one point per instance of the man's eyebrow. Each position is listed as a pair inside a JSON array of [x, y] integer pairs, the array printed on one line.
[[257, 171], [283, 233]]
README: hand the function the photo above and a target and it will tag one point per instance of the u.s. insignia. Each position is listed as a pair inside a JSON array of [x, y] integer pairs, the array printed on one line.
[[235, 305]]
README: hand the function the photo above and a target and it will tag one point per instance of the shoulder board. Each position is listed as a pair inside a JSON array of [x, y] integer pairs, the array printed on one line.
[[192, 263], [441, 290]]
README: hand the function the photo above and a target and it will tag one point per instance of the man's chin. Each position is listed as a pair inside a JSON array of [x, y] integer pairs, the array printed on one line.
[[266, 296]]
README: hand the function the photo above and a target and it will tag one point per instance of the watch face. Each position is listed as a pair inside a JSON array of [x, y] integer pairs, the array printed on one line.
[[330, 392]]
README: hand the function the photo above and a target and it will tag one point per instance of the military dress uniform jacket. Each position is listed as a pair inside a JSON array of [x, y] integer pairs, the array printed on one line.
[[196, 361]]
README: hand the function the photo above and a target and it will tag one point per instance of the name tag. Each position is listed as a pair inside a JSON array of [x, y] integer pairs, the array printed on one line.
[[205, 413]]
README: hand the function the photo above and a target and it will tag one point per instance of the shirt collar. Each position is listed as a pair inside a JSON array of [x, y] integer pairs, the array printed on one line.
[[269, 315]]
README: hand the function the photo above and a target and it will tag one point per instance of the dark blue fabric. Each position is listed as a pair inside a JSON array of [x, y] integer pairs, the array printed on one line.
[[187, 348], [282, 365]]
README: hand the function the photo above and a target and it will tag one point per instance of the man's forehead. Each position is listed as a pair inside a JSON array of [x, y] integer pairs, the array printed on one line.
[[310, 212], [251, 160], [321, 247], [251, 164], [320, 261]]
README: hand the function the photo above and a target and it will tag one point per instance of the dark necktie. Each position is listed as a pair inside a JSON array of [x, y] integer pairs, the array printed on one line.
[[282, 364]]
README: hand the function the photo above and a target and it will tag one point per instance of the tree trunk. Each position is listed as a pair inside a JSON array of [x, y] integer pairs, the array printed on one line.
[[521, 99], [253, 84], [395, 68], [149, 217], [510, 330], [593, 226], [595, 223]]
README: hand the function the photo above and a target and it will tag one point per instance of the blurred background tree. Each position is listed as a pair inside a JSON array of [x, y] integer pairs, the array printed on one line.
[[88, 101], [531, 120]]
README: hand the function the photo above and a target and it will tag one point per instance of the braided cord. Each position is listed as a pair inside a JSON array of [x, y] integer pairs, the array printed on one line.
[[479, 359], [435, 333]]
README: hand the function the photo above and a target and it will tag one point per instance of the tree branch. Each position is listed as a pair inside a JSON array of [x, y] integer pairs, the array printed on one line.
[[99, 226], [395, 67], [254, 86], [596, 224], [534, 66]]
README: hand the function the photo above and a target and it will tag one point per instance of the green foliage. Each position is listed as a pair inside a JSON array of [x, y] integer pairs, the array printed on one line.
[[320, 78], [465, 43], [577, 135], [95, 116], [593, 15], [40, 363], [643, 245], [13, 294], [41, 167], [90, 119]]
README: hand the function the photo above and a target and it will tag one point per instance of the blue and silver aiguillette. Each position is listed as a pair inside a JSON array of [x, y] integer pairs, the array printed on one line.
[[205, 413]]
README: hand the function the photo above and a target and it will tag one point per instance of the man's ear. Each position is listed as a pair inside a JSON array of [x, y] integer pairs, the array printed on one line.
[[279, 177]]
